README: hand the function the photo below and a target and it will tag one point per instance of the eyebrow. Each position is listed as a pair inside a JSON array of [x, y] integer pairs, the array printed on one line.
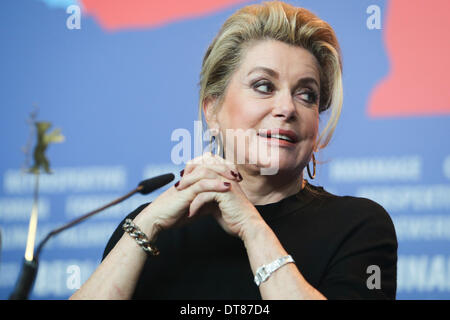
[[274, 74]]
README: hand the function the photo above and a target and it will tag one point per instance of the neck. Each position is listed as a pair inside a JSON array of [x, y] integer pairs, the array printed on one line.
[[264, 189]]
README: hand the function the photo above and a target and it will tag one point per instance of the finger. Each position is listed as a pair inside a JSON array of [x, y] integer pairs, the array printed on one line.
[[233, 168], [207, 172], [208, 158], [205, 185], [218, 164], [189, 179]]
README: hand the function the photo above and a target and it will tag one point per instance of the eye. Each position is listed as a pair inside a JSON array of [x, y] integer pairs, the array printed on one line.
[[267, 86], [309, 96]]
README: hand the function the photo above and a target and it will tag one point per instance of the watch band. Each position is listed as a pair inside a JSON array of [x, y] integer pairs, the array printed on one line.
[[140, 237], [264, 272]]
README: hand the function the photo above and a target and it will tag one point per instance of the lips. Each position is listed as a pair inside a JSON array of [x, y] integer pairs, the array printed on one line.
[[281, 134]]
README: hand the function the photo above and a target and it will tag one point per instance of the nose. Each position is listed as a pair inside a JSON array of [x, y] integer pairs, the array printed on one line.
[[284, 106]]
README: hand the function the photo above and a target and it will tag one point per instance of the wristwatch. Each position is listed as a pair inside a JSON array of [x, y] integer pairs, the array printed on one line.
[[264, 272]]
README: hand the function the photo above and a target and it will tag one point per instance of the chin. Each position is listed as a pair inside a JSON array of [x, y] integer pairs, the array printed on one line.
[[274, 166]]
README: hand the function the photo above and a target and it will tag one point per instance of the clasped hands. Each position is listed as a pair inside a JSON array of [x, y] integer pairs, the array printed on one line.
[[209, 185]]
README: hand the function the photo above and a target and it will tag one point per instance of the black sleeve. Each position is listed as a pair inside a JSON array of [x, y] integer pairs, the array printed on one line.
[[157, 273], [369, 240], [119, 231]]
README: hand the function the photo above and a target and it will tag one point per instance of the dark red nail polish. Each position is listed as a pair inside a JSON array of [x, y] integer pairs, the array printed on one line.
[[176, 184], [240, 177], [227, 184], [181, 172], [234, 174]]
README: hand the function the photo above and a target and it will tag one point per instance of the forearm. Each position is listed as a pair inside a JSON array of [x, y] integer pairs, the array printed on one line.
[[117, 275], [285, 283]]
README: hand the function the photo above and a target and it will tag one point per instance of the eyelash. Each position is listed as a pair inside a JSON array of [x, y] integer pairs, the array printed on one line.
[[259, 83]]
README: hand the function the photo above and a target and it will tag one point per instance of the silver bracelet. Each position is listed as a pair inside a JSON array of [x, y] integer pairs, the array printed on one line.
[[264, 272], [140, 237]]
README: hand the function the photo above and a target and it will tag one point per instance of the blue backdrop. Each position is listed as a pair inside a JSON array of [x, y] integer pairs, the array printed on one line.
[[119, 88]]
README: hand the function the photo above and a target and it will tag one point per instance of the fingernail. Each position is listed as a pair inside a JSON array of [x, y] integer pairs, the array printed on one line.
[[227, 184], [240, 177], [181, 172], [176, 184], [234, 174]]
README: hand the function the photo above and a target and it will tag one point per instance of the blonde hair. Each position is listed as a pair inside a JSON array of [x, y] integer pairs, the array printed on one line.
[[283, 22]]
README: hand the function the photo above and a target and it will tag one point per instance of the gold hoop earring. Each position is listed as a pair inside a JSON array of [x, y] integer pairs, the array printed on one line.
[[314, 168]]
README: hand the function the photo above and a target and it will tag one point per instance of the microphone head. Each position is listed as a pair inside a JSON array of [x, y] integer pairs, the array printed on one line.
[[152, 184]]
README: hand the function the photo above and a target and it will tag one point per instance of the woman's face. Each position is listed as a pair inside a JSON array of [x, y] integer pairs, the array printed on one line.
[[276, 87]]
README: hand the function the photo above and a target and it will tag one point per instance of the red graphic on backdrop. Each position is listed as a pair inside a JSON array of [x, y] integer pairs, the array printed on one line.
[[418, 47], [114, 15]]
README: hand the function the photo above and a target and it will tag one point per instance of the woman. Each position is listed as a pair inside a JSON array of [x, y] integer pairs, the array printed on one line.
[[266, 77]]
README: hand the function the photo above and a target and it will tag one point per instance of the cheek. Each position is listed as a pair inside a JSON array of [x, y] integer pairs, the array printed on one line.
[[309, 124], [241, 114]]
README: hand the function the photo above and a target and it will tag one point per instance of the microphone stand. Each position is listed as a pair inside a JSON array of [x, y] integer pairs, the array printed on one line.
[[30, 267]]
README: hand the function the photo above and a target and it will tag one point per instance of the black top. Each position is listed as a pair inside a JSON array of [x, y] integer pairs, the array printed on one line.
[[332, 239]]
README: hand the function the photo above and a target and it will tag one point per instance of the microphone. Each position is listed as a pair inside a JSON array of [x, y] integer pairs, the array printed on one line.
[[29, 269], [149, 185]]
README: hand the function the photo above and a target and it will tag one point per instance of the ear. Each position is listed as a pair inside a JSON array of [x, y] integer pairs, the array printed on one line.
[[210, 112]]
